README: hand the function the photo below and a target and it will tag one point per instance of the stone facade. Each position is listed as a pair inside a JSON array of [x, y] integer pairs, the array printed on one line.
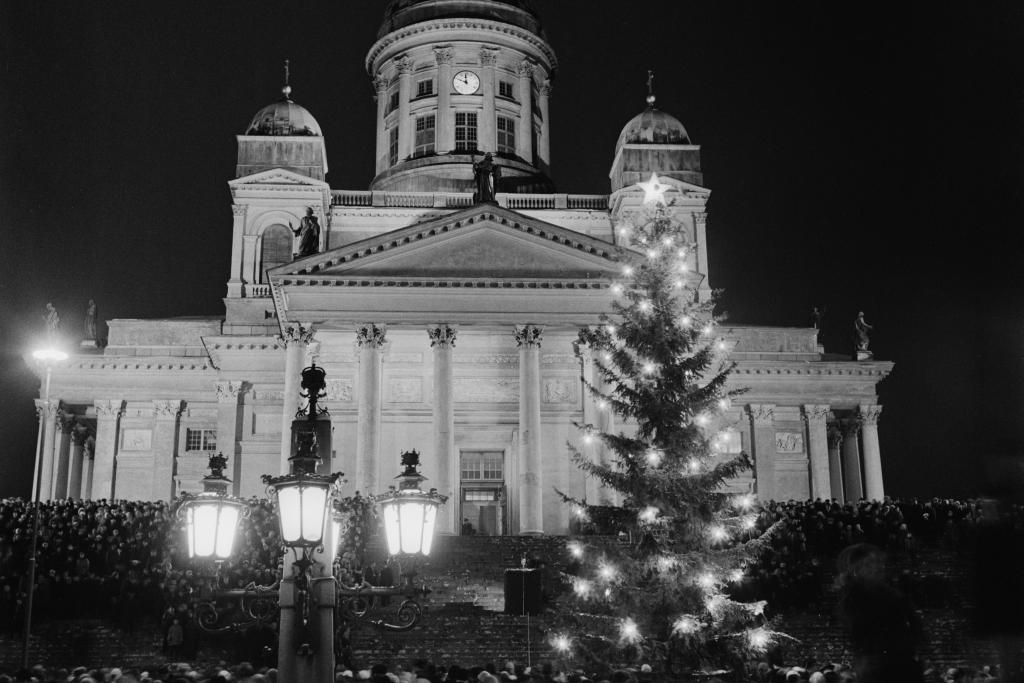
[[443, 325]]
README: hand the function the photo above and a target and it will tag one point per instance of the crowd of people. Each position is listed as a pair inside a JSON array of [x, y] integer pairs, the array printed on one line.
[[421, 671]]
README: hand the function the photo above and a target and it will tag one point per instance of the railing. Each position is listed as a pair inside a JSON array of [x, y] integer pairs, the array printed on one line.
[[459, 200], [257, 291]]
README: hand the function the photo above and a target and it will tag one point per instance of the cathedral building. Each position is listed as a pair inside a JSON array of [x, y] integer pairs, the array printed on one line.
[[445, 323]]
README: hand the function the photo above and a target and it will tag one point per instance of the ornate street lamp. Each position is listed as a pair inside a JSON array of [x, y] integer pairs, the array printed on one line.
[[211, 518], [409, 512]]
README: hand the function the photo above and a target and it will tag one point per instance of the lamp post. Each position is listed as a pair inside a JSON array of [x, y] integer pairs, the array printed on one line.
[[47, 357]]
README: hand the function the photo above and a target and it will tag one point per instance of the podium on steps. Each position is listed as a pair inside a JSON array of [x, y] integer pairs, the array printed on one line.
[[522, 591]]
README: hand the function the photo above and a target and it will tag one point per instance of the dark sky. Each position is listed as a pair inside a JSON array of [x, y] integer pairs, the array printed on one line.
[[861, 156]]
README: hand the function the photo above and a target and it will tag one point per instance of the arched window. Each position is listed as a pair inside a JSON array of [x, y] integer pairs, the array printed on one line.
[[277, 249]]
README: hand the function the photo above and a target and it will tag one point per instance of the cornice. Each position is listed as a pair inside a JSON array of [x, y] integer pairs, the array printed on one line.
[[438, 25], [107, 364], [879, 370], [438, 283]]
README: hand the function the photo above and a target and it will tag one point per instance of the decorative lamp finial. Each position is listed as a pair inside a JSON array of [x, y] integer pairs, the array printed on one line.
[[287, 89], [650, 89]]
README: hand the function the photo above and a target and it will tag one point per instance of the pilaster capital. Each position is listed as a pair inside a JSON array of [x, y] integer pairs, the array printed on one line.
[[296, 334], [442, 336], [371, 335], [700, 217], [228, 391], [528, 336], [109, 409], [835, 435], [380, 84], [869, 413], [47, 410], [525, 68], [763, 414], [546, 87], [167, 410], [239, 209], [403, 64], [816, 413], [444, 54], [488, 56]]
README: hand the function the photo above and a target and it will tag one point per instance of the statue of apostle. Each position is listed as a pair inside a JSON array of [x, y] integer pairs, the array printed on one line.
[[308, 233], [52, 323], [486, 175], [861, 329], [90, 320]]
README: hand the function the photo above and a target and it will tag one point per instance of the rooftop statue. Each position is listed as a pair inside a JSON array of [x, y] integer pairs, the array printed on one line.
[[308, 233]]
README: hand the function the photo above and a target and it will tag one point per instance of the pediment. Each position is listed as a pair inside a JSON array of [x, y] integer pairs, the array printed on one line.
[[482, 242], [277, 176]]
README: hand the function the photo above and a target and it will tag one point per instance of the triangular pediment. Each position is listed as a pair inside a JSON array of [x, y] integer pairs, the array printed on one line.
[[483, 241], [277, 176]]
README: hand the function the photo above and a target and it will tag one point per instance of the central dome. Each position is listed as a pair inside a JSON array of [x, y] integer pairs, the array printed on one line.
[[401, 13], [654, 127]]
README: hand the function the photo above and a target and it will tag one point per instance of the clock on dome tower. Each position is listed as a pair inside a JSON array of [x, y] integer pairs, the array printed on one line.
[[455, 81]]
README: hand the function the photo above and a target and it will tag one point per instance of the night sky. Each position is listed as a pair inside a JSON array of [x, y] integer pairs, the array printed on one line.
[[862, 156]]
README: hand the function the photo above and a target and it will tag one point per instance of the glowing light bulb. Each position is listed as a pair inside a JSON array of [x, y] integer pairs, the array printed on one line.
[[723, 404], [719, 534], [576, 550], [617, 289], [667, 241], [706, 580], [624, 229], [683, 267], [736, 575], [607, 357], [653, 457], [744, 502], [707, 330], [629, 631], [702, 420], [588, 438], [582, 588], [678, 284], [749, 522], [607, 592], [627, 270], [652, 254], [560, 643], [693, 465], [646, 306], [606, 572], [722, 346], [758, 638], [649, 514], [686, 321], [682, 253], [581, 512], [685, 624], [602, 404], [648, 368]]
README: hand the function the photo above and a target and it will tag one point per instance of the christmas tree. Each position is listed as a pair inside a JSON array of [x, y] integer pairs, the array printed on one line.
[[660, 591]]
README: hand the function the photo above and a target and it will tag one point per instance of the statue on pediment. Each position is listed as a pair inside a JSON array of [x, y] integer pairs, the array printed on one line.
[[90, 320], [486, 175], [308, 233], [52, 319], [861, 329]]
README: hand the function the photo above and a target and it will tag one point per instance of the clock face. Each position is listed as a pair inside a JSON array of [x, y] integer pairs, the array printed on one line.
[[466, 82]]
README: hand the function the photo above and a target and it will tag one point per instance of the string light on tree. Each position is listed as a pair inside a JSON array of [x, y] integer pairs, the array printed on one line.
[[576, 550], [759, 639], [629, 631], [561, 643], [685, 625]]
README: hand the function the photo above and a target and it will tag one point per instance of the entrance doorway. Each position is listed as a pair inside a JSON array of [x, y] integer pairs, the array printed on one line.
[[482, 493]]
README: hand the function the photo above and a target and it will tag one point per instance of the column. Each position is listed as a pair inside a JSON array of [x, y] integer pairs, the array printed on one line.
[[531, 501], [817, 449], [444, 56], [78, 436], [294, 339], [370, 339], [544, 137], [404, 66], [488, 141], [854, 490], [380, 87], [61, 454], [48, 413], [88, 460], [835, 462], [442, 340], [700, 220], [590, 416], [107, 416], [763, 418], [869, 415], [229, 431], [524, 137], [165, 447], [237, 233]]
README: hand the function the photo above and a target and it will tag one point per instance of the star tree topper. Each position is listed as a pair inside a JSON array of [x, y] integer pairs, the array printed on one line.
[[654, 190]]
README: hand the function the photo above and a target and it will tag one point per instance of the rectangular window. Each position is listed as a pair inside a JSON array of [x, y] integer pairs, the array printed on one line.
[[425, 88], [483, 465], [200, 439], [505, 90], [424, 143], [506, 135], [393, 102], [393, 146], [483, 496], [465, 131]]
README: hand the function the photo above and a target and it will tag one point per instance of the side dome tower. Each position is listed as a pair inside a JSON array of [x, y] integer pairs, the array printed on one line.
[[454, 80], [654, 141], [282, 134]]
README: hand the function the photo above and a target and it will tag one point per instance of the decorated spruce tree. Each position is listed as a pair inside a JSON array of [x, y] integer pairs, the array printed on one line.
[[670, 543]]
